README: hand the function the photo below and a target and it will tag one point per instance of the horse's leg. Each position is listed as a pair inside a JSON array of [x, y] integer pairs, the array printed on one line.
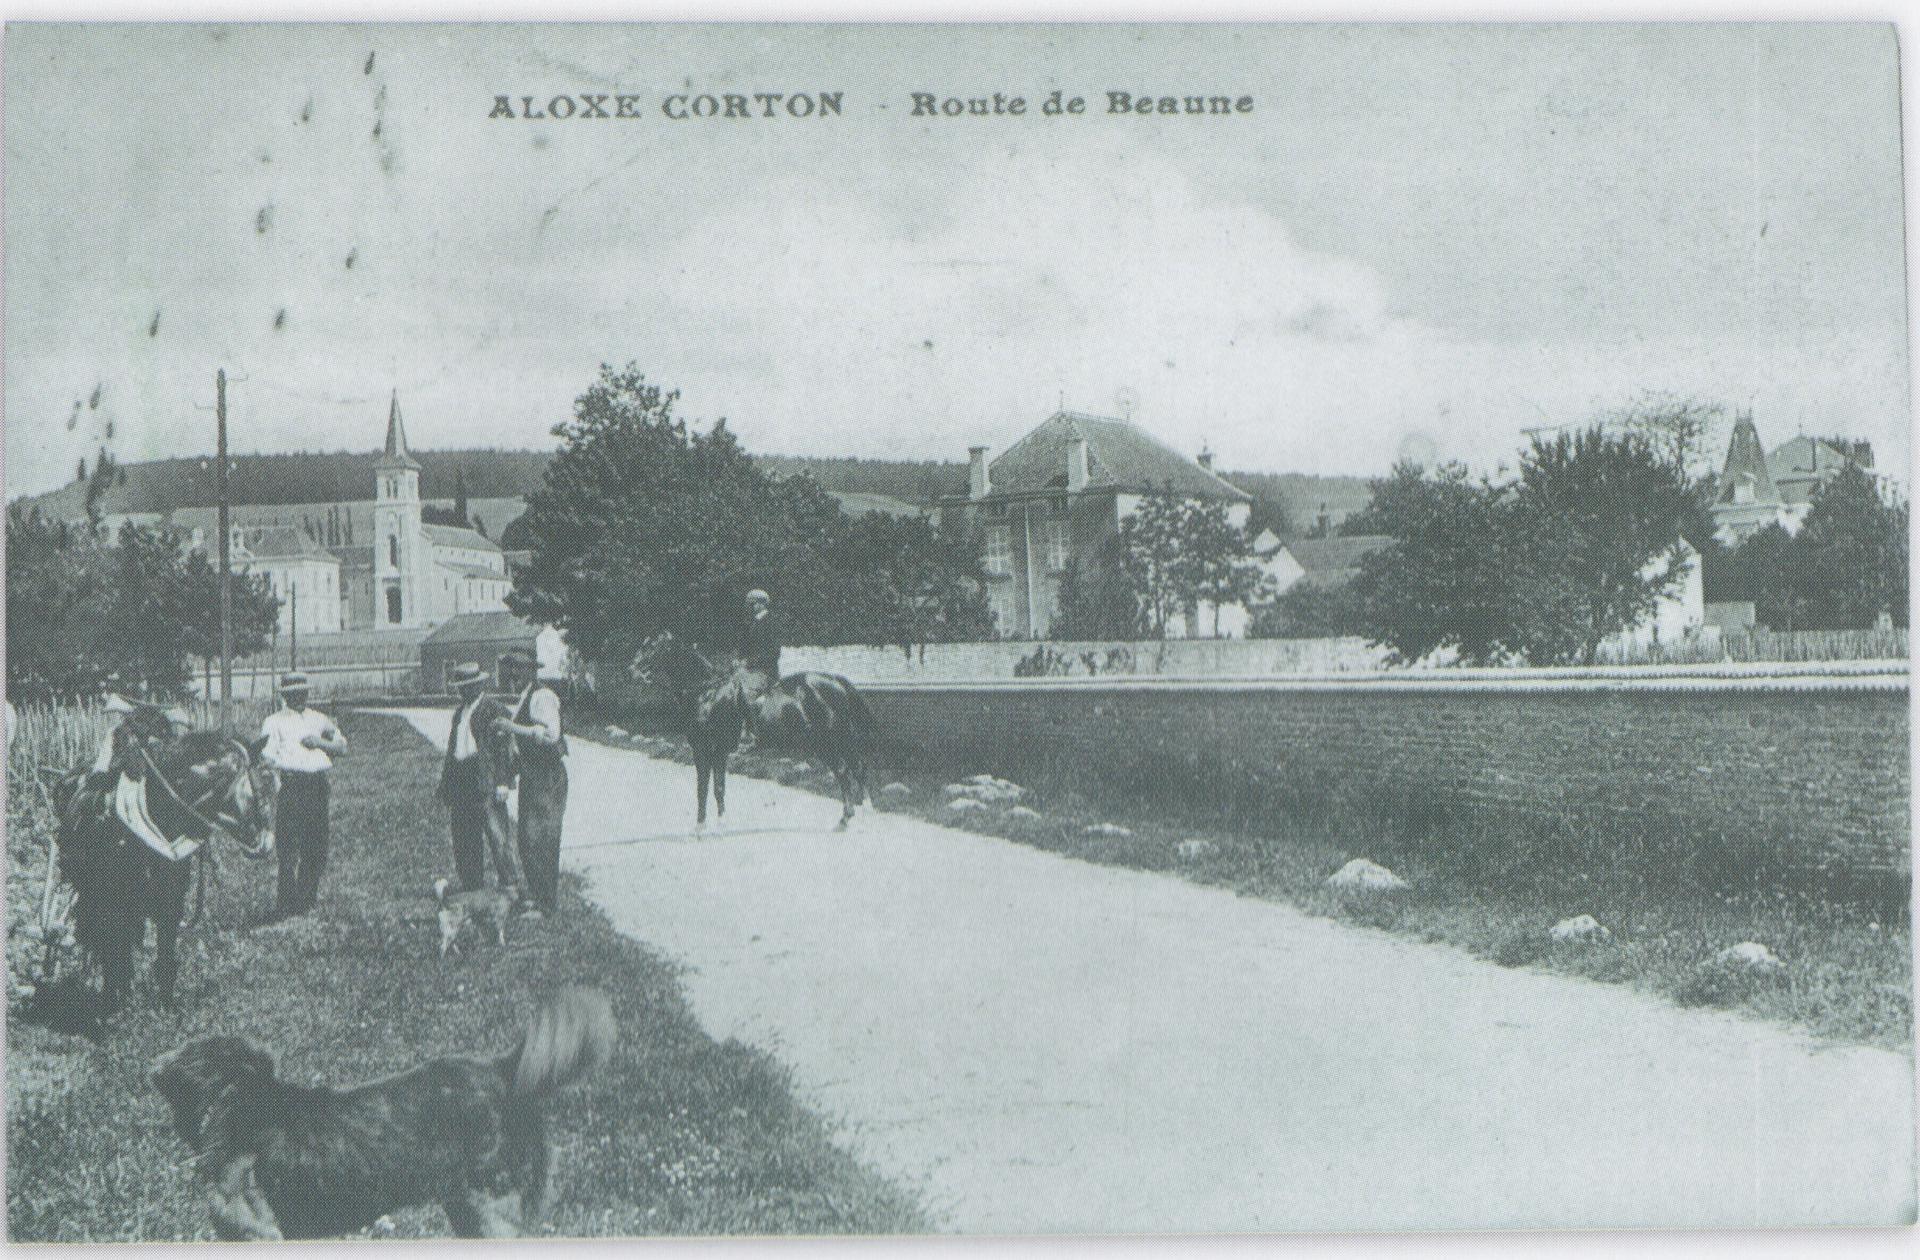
[[116, 971], [844, 777], [702, 772], [720, 785]]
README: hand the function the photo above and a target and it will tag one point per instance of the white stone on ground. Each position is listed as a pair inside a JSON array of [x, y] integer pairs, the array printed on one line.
[[964, 804], [895, 790], [1194, 850], [1371, 876], [1109, 829], [1752, 955], [616, 732], [1021, 813], [1581, 929], [987, 790]]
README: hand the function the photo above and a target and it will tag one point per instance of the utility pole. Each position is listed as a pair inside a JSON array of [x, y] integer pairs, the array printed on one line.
[[226, 566], [293, 620]]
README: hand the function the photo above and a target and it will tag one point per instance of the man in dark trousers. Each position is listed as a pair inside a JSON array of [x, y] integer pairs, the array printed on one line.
[[301, 744], [473, 785], [760, 663], [540, 751]]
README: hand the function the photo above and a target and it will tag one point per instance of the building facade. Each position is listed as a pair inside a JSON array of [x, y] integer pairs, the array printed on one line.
[[1058, 495]]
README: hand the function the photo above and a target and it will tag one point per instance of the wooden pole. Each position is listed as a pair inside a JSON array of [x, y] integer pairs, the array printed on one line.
[[226, 565]]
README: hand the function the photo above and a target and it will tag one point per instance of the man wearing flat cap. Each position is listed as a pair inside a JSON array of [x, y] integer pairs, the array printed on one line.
[[474, 778], [300, 745]]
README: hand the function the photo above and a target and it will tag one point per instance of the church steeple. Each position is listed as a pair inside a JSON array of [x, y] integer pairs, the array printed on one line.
[[397, 455]]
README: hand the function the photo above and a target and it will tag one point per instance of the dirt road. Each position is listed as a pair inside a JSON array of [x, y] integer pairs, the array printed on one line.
[[1044, 1045]]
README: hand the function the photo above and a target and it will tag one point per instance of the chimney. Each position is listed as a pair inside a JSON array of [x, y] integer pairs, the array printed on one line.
[[1077, 464], [1205, 459], [978, 487]]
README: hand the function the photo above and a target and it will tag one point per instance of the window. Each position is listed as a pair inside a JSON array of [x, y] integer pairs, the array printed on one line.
[[999, 557], [393, 550], [393, 605], [1055, 532], [1000, 603]]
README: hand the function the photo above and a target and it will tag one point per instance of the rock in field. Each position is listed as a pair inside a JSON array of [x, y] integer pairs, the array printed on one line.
[[1112, 831], [1751, 956], [615, 732], [1194, 850], [986, 789], [1021, 813], [964, 805], [1367, 876], [895, 792], [1581, 929]]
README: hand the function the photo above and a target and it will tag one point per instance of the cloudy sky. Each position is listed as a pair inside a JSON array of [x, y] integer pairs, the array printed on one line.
[[1419, 239]]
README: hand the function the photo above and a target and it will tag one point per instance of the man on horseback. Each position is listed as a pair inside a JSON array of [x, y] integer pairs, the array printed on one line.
[[759, 664]]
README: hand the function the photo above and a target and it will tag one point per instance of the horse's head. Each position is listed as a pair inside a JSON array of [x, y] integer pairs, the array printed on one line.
[[226, 783]]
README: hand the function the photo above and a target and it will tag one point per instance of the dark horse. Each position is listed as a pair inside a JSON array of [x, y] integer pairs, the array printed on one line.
[[819, 716], [196, 785]]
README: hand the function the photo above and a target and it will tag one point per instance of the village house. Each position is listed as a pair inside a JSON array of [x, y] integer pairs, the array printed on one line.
[[1757, 490], [1058, 495]]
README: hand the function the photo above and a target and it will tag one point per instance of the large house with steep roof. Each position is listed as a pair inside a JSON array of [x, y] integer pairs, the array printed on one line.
[[1757, 489], [1058, 495]]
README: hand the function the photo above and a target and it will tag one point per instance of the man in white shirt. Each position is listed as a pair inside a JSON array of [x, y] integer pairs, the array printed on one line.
[[301, 744]]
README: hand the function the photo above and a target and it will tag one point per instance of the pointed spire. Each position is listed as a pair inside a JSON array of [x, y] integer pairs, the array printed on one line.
[[1746, 478], [397, 455]]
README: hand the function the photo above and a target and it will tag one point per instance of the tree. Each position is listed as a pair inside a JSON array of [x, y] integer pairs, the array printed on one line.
[[644, 524], [1153, 557], [1216, 564], [1593, 534], [1097, 601], [1442, 583], [1682, 432], [460, 495], [1311, 610], [80, 612], [1846, 566]]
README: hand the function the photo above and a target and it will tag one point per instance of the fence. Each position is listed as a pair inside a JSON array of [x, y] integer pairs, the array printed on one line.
[[400, 678], [1768, 645], [64, 736]]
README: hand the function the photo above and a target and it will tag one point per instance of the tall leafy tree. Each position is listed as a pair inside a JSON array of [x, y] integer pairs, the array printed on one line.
[[1593, 532], [1097, 600], [1843, 570], [1443, 582], [1153, 557], [1216, 564]]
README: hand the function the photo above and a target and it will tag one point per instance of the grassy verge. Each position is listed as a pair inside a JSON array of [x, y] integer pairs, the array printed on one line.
[[682, 1135], [1849, 969]]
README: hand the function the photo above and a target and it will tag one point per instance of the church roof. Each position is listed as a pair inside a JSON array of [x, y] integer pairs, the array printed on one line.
[[455, 536], [471, 570], [1746, 465], [284, 543], [396, 454], [1119, 457]]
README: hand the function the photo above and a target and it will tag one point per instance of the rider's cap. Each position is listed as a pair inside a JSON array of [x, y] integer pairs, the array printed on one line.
[[293, 682], [466, 675], [760, 597]]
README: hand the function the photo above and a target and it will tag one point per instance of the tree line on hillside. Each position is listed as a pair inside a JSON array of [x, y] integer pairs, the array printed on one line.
[[644, 523], [83, 616]]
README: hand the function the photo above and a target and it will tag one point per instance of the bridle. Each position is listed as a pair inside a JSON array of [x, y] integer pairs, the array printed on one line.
[[230, 815]]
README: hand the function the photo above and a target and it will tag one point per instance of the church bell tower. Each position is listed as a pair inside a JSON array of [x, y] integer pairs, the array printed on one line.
[[399, 588]]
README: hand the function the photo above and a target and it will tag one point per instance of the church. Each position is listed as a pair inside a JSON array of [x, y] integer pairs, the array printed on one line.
[[407, 574]]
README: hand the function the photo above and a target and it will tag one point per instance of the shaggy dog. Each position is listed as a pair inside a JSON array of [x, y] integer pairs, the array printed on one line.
[[456, 908], [288, 1161]]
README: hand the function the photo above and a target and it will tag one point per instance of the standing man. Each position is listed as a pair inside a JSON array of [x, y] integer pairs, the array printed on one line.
[[301, 744], [760, 662], [540, 749], [473, 785]]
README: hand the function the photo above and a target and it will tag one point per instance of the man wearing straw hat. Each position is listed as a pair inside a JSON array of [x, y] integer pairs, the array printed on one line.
[[540, 752], [474, 778], [301, 744]]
